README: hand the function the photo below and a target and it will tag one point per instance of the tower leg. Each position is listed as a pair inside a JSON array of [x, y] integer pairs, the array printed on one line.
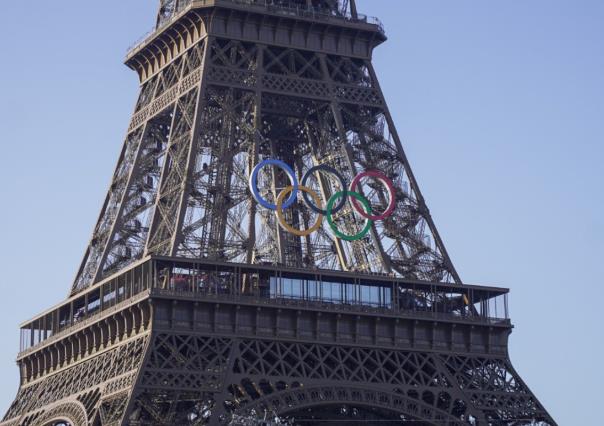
[[88, 390]]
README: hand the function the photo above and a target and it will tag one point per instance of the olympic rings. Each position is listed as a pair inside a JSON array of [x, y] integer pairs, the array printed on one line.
[[359, 202], [334, 172], [254, 184], [332, 225], [389, 185], [285, 225]]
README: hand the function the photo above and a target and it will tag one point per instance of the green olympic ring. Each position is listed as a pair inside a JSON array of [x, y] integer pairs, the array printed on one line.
[[366, 205]]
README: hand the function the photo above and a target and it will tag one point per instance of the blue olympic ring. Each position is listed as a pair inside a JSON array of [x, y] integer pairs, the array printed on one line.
[[253, 183]]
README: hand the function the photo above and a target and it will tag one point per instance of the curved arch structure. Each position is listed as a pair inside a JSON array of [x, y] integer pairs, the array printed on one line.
[[288, 403], [63, 414]]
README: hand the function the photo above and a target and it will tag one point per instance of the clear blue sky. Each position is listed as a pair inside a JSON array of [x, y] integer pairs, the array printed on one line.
[[501, 107]]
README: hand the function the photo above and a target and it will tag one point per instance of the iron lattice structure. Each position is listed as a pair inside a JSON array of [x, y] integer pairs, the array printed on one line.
[[192, 306]]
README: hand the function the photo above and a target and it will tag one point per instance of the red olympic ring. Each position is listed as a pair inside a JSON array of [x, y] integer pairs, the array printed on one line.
[[389, 185]]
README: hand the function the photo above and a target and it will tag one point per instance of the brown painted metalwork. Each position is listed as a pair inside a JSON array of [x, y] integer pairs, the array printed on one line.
[[192, 306]]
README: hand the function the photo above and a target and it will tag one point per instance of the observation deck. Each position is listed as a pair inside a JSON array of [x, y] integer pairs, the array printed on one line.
[[248, 289]]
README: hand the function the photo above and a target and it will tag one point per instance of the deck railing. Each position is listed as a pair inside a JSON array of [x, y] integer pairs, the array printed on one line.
[[280, 302]]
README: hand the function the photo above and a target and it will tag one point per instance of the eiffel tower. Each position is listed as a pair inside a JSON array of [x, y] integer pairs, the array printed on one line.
[[213, 292]]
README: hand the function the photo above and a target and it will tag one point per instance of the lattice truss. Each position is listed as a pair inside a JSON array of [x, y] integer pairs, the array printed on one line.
[[163, 114], [203, 123], [190, 379], [97, 388]]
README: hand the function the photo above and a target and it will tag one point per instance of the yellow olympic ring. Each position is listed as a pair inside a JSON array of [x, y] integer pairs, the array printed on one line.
[[281, 217]]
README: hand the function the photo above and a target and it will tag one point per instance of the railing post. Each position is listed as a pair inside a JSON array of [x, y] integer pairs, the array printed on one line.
[[353, 10]]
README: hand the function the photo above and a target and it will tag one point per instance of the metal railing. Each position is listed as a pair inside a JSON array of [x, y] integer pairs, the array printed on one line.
[[268, 5], [162, 25], [327, 306], [71, 327]]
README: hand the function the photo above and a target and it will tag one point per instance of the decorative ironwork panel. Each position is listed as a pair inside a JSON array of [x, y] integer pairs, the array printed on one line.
[[79, 378]]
